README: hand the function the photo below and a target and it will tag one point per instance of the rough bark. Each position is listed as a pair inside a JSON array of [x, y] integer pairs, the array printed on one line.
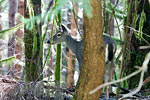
[[19, 35], [92, 71]]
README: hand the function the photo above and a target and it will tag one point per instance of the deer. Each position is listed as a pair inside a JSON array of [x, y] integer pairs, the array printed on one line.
[[77, 48]]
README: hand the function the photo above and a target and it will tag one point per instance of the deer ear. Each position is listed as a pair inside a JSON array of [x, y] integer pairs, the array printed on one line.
[[65, 28]]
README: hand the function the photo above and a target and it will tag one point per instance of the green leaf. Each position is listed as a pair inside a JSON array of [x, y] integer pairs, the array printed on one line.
[[8, 60], [9, 31], [86, 5], [87, 8], [1, 2], [141, 23]]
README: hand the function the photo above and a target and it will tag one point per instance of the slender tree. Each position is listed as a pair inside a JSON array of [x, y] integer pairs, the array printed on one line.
[[111, 22], [92, 71], [71, 60], [19, 35], [12, 12], [57, 71], [58, 51]]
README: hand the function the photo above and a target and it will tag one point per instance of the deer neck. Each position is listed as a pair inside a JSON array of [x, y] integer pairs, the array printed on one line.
[[71, 43]]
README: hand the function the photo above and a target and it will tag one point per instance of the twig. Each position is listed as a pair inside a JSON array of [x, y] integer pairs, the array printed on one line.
[[116, 4], [146, 80], [133, 29], [144, 47], [114, 82], [51, 3]]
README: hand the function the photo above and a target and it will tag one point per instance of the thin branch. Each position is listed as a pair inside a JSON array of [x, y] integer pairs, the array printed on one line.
[[114, 82], [144, 47]]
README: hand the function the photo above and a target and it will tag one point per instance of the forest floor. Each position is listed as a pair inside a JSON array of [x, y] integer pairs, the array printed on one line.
[[11, 89]]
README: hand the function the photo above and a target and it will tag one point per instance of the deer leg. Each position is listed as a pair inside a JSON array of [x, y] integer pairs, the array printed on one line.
[[107, 80], [108, 77]]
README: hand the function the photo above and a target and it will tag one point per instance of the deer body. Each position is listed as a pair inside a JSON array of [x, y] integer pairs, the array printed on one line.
[[77, 49], [77, 46]]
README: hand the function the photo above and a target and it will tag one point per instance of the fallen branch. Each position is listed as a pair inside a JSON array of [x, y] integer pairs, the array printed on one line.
[[142, 69]]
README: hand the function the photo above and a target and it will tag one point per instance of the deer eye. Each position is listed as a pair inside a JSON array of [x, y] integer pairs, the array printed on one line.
[[58, 35]]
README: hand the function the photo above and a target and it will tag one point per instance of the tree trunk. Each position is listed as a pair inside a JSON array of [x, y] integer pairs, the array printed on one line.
[[111, 22], [11, 42], [57, 71], [50, 64], [0, 44], [33, 46], [12, 12], [19, 35], [70, 69], [71, 61], [92, 72]]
